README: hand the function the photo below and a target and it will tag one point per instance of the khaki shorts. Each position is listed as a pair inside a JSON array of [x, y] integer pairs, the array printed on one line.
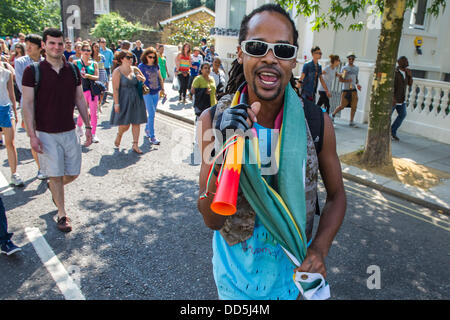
[[353, 101], [61, 153]]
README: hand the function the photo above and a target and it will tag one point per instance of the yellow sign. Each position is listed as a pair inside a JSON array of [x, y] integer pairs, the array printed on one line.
[[418, 41]]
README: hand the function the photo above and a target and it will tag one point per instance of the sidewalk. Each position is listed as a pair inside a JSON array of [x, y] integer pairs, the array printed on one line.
[[422, 151]]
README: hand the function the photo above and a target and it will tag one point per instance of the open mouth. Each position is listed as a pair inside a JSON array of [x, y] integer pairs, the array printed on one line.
[[268, 79]]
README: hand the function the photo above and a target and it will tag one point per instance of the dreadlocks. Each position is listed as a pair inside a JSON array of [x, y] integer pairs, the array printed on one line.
[[236, 73]]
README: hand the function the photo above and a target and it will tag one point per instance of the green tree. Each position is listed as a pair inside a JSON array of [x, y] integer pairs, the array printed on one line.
[[28, 16], [377, 150], [113, 27], [191, 32]]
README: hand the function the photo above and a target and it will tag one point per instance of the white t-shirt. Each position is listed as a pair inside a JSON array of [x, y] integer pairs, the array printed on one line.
[[222, 80], [4, 78], [328, 75]]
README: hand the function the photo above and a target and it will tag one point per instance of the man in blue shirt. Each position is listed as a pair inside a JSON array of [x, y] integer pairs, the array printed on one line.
[[311, 74], [211, 54], [109, 57], [68, 51]]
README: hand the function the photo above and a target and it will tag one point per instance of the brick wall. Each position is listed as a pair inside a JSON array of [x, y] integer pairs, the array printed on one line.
[[147, 12]]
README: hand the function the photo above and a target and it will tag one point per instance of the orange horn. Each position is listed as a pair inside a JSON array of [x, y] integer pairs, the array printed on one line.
[[224, 202]]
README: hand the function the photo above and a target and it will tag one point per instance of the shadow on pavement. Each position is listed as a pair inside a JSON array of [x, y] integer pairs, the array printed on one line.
[[120, 159]]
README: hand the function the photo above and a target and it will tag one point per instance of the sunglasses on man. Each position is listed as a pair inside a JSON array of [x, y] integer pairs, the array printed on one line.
[[258, 48]]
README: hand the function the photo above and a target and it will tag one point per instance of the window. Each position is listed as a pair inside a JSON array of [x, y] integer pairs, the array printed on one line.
[[101, 6], [237, 12], [418, 15], [446, 77], [418, 73]]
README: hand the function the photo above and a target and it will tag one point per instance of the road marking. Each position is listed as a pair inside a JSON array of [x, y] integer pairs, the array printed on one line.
[[56, 269], [434, 221], [371, 194], [5, 188]]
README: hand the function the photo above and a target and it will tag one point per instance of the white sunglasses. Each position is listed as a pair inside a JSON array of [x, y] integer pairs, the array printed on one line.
[[258, 48]]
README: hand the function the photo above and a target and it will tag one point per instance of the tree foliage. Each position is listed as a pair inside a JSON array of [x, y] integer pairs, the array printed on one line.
[[340, 10], [180, 6], [28, 16], [113, 27], [191, 32], [377, 151]]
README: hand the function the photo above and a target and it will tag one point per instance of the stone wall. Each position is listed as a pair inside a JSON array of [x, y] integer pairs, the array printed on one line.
[[148, 38]]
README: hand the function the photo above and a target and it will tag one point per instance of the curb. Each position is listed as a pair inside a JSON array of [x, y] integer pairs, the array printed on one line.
[[173, 115], [354, 178]]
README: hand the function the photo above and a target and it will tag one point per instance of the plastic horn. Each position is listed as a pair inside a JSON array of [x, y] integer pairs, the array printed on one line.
[[224, 202]]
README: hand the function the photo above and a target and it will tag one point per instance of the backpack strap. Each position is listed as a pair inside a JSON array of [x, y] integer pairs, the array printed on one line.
[[37, 77], [314, 116], [74, 71]]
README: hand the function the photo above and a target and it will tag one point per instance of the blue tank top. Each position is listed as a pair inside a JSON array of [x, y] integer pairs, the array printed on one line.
[[257, 268]]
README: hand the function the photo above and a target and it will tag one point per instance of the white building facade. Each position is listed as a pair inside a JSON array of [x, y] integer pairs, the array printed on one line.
[[428, 108]]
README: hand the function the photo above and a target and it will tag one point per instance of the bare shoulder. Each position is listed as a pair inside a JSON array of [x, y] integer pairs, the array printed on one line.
[[116, 72], [205, 119]]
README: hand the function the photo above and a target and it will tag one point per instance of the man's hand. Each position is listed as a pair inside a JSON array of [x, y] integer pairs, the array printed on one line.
[[36, 144], [88, 138], [408, 72], [116, 108], [313, 263], [328, 94], [240, 117]]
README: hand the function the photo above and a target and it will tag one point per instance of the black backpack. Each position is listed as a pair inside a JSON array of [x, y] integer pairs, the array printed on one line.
[[314, 117]]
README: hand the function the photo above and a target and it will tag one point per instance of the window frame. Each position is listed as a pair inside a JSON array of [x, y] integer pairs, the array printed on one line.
[[104, 7], [229, 15], [412, 22]]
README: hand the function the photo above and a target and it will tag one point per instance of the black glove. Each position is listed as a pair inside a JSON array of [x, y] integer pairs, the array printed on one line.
[[233, 118]]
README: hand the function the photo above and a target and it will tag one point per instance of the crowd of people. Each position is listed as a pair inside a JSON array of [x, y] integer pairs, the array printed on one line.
[[84, 71], [314, 79]]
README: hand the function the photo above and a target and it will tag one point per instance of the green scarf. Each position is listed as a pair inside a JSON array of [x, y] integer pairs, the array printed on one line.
[[282, 211]]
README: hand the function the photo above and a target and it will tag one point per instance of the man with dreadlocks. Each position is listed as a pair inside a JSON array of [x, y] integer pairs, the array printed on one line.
[[250, 260]]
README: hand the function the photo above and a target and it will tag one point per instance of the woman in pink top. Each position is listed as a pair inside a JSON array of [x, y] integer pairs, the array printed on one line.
[[183, 65]]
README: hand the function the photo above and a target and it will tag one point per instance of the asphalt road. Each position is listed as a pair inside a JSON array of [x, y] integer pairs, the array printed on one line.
[[137, 233]]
